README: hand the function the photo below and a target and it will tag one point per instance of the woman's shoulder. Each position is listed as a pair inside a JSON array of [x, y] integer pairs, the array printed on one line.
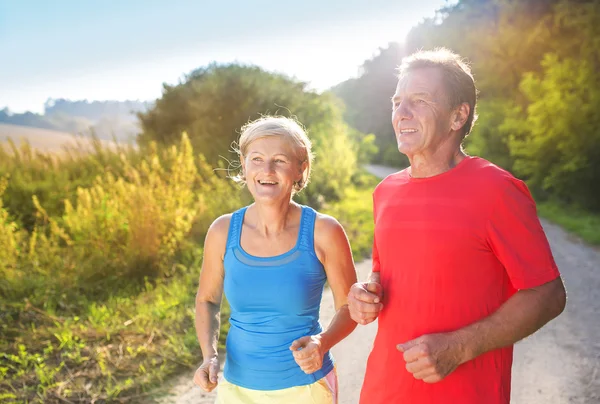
[[218, 231], [329, 236], [327, 225], [221, 223]]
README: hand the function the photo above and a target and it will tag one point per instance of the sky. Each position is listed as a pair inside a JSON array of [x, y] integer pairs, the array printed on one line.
[[125, 50]]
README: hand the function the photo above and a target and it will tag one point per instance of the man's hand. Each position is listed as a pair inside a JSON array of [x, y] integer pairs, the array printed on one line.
[[207, 374], [432, 357], [308, 353], [364, 301]]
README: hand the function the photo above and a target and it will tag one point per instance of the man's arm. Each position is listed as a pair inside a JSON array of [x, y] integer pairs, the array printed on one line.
[[434, 356], [515, 235], [374, 277], [523, 314], [364, 299]]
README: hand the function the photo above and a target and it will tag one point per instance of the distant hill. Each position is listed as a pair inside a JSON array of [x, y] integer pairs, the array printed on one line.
[[105, 118], [41, 139]]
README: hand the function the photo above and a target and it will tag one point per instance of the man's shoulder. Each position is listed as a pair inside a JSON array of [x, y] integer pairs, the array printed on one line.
[[393, 180], [487, 173], [495, 184]]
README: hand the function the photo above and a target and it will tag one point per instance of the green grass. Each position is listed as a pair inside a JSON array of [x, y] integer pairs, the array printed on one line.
[[63, 341], [123, 348], [584, 224], [72, 329], [119, 350]]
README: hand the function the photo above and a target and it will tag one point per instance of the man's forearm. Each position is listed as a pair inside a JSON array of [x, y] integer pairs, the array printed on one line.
[[374, 277], [522, 315]]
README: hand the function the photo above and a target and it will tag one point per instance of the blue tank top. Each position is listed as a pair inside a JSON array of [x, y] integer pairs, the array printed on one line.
[[274, 301]]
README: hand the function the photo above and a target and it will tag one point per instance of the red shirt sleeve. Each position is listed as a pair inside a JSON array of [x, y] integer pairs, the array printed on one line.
[[517, 238]]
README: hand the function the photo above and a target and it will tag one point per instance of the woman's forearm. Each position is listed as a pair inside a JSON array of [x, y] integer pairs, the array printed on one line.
[[208, 324], [340, 327]]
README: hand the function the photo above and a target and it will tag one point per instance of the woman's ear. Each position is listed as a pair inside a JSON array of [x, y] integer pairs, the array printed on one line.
[[303, 168], [242, 165]]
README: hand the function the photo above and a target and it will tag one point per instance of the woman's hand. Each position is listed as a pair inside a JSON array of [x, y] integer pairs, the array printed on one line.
[[207, 374], [308, 353]]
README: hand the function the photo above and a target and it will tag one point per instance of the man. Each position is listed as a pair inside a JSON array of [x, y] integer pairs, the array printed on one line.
[[462, 269]]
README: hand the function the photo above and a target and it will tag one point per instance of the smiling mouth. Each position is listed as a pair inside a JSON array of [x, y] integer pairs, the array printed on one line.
[[406, 131], [261, 182]]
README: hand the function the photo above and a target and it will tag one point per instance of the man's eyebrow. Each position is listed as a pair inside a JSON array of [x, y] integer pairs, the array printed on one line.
[[412, 95]]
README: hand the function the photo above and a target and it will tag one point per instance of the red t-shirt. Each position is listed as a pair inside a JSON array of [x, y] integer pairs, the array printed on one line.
[[450, 250]]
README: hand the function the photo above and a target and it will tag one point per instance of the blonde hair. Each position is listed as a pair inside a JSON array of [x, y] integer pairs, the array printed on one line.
[[277, 126]]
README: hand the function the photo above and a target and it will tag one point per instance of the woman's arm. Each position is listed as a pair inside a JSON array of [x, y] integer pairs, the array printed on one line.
[[333, 250], [208, 302]]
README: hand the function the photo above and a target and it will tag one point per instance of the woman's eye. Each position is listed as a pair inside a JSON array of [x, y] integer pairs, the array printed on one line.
[[256, 159]]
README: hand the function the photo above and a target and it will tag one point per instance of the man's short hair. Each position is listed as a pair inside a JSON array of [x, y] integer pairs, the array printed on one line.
[[456, 76]]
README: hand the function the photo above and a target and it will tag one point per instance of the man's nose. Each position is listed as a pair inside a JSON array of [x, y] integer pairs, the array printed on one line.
[[403, 112]]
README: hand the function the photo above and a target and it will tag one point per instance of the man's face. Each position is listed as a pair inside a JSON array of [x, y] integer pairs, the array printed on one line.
[[421, 115]]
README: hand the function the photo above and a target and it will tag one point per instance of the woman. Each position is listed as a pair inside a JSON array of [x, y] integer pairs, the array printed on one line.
[[272, 259]]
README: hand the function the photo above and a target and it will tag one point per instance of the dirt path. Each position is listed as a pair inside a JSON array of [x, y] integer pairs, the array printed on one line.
[[560, 364]]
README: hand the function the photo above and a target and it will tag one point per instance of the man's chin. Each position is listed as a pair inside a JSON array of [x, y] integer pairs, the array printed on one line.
[[406, 149]]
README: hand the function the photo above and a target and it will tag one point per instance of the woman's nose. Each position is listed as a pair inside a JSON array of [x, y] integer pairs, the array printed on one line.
[[269, 166]]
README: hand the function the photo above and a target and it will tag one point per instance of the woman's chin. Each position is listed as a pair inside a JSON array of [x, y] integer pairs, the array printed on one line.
[[264, 195]]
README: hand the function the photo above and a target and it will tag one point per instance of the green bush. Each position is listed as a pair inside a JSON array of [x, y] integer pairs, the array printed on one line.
[[214, 102], [52, 178], [98, 297], [576, 220], [97, 301]]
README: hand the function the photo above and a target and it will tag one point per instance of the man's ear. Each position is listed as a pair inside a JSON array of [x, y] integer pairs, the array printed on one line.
[[460, 116]]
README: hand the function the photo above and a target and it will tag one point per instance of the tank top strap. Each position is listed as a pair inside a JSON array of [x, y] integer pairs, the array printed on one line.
[[235, 228], [307, 229]]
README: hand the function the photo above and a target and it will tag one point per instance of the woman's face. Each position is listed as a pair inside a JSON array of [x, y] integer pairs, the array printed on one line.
[[271, 168]]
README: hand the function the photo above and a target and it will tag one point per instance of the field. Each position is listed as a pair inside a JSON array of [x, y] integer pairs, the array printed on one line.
[[39, 139]]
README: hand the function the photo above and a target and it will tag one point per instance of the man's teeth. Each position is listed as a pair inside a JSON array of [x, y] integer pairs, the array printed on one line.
[[267, 182], [407, 130]]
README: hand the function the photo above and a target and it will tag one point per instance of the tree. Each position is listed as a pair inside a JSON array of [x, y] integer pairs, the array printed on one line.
[[368, 102], [212, 103], [560, 153]]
